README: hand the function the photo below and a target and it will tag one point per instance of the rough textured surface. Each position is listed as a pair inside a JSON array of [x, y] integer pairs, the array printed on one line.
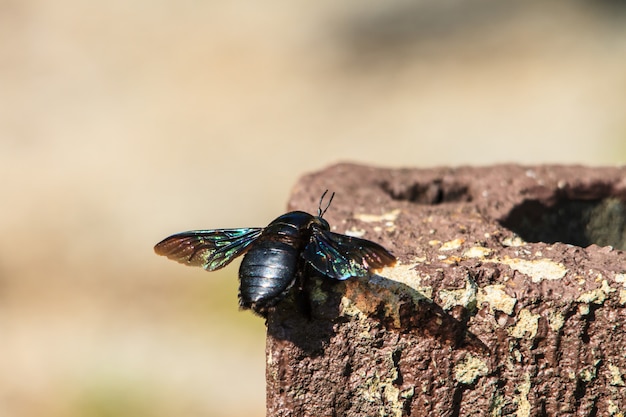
[[507, 299]]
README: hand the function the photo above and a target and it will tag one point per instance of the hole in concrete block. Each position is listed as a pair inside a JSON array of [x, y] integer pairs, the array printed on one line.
[[434, 192], [577, 222]]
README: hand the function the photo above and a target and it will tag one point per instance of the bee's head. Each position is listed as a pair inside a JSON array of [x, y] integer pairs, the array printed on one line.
[[321, 223]]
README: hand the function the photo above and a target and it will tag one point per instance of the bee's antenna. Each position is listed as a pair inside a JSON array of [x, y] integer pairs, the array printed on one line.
[[320, 212]]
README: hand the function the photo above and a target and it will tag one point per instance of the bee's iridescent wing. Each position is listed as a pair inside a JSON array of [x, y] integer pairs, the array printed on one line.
[[341, 257], [209, 249]]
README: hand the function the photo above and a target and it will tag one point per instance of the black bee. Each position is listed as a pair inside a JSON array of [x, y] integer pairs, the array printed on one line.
[[276, 256]]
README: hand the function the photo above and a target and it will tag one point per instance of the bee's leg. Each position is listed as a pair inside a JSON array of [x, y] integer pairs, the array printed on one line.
[[303, 294]]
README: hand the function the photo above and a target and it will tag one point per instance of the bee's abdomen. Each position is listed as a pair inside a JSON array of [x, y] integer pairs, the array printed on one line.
[[266, 273]]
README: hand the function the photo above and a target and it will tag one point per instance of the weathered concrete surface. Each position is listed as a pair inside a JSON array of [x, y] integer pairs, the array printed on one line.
[[506, 300]]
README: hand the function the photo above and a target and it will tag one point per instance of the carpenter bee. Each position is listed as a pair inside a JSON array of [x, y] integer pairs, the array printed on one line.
[[277, 256]]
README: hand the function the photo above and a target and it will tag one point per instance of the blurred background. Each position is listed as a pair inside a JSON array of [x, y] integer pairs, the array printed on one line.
[[123, 122]]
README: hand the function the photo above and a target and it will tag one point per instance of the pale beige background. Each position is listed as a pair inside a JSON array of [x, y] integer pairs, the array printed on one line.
[[122, 122]]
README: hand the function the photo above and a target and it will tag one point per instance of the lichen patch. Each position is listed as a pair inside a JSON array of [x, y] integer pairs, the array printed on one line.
[[477, 252], [621, 278], [470, 369], [380, 388], [523, 404], [538, 269], [348, 308], [614, 409], [452, 244], [497, 299], [556, 320], [513, 241], [526, 326], [407, 275], [354, 232], [616, 376], [465, 297], [390, 216], [597, 296], [590, 372]]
